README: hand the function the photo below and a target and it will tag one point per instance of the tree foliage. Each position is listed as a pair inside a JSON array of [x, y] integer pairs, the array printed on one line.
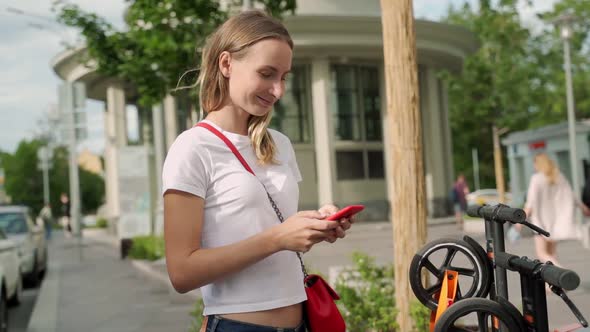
[[514, 80], [24, 181], [162, 41]]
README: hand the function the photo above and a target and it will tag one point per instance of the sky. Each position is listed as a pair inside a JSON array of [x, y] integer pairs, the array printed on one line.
[[28, 44]]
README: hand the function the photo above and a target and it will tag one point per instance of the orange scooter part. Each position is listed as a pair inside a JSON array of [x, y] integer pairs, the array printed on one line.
[[446, 296]]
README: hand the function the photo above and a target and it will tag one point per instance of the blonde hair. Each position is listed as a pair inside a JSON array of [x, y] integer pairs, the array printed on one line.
[[235, 36], [547, 166]]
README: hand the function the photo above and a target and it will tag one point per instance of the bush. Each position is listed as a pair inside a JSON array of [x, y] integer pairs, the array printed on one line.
[[367, 298], [421, 316], [102, 223], [147, 247], [367, 295]]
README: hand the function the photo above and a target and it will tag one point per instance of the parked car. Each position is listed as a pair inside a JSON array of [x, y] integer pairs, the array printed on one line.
[[10, 273], [11, 283], [18, 225], [487, 196]]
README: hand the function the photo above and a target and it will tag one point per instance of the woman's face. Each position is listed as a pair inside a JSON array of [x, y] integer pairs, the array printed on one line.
[[257, 80]]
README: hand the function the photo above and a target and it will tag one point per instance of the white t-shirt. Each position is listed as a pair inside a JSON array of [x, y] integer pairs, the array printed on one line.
[[236, 208]]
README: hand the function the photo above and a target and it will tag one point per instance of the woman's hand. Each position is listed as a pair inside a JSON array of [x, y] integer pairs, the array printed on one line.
[[304, 229], [344, 223], [585, 210]]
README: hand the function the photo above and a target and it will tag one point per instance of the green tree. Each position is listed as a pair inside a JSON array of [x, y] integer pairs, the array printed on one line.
[[547, 51], [514, 80], [92, 189], [92, 186], [493, 88], [163, 40], [24, 182]]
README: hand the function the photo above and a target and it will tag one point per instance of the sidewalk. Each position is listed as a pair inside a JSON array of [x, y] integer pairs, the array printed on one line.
[[94, 290], [89, 288]]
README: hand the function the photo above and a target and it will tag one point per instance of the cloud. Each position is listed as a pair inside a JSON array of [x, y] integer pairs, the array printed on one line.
[[528, 13], [28, 83], [435, 10]]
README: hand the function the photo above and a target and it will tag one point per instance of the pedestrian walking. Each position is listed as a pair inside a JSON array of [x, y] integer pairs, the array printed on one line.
[[459, 197], [47, 219], [221, 232], [550, 204], [65, 214]]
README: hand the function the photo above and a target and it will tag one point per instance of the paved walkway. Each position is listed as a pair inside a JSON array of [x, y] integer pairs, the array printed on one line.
[[91, 289], [88, 288]]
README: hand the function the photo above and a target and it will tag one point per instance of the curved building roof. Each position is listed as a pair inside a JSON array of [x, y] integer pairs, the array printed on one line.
[[342, 29]]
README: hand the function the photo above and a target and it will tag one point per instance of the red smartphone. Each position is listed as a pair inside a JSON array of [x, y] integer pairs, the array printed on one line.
[[346, 212]]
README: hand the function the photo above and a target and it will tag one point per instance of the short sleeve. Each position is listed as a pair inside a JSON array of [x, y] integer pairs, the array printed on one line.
[[284, 145], [187, 167], [293, 163]]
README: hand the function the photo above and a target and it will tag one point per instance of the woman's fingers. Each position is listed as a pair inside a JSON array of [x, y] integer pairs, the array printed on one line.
[[319, 236], [328, 209], [345, 223], [323, 225], [340, 233], [311, 214]]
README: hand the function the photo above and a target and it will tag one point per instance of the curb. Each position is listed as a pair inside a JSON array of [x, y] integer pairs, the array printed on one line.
[[44, 314], [145, 267]]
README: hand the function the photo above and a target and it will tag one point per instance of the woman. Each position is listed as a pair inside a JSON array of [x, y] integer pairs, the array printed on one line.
[[221, 232], [459, 194], [550, 205]]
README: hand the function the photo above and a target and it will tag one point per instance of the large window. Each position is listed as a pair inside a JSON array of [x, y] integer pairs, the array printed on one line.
[[291, 112], [356, 103], [356, 112]]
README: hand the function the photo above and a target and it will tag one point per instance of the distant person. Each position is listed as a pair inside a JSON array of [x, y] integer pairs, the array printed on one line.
[[47, 218], [459, 197], [550, 205], [65, 214]]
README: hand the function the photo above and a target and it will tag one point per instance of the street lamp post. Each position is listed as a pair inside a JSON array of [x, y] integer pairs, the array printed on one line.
[[246, 5], [565, 23], [45, 156]]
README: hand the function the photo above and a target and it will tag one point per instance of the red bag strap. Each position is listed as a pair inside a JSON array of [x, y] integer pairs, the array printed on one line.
[[229, 144]]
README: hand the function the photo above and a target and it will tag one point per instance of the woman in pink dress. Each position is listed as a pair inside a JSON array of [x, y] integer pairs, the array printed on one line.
[[550, 205]]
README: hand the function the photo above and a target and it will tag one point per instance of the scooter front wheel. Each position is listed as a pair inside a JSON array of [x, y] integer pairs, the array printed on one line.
[[448, 254]]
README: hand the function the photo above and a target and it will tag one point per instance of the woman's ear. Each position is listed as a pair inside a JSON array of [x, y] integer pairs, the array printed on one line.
[[225, 63]]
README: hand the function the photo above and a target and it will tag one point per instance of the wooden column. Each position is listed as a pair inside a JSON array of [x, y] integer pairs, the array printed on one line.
[[405, 173]]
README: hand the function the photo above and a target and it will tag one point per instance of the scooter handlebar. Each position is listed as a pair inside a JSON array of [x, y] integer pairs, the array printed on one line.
[[497, 212]]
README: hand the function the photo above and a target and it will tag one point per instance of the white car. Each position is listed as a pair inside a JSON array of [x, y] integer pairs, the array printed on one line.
[[10, 274], [487, 196], [17, 224]]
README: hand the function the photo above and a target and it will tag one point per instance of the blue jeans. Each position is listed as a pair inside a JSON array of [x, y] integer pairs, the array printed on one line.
[[220, 324]]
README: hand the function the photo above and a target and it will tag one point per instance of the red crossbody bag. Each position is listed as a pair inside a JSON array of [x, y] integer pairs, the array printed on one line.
[[321, 312]]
